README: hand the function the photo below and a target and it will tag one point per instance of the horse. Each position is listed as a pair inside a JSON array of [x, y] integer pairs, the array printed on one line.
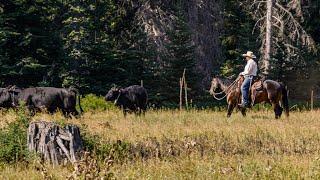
[[271, 92], [231, 90]]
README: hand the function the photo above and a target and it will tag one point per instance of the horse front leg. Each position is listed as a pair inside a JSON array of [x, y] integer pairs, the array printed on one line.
[[230, 109]]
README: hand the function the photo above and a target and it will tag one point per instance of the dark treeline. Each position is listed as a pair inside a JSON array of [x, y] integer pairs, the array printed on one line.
[[96, 44]]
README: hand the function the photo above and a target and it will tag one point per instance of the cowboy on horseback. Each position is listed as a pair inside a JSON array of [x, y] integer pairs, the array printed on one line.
[[250, 71]]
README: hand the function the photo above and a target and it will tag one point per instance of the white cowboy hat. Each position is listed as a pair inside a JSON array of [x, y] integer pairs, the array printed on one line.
[[249, 54]]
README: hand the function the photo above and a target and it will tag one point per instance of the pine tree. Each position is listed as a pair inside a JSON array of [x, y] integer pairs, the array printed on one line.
[[180, 56], [29, 46], [236, 39]]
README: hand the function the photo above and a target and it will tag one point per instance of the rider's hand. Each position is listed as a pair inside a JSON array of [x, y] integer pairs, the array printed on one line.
[[240, 74]]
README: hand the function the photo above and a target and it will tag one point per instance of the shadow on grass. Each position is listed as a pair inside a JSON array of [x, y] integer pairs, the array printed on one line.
[[262, 117]]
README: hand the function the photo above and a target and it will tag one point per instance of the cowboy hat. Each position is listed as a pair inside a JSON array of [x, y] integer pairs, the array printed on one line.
[[249, 54]]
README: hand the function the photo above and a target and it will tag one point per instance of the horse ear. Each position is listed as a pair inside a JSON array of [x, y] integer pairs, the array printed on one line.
[[11, 88]]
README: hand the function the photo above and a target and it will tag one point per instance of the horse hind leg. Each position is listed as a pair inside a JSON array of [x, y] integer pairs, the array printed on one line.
[[277, 110], [244, 112]]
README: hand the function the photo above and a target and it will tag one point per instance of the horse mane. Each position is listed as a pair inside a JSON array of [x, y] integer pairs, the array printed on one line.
[[226, 82]]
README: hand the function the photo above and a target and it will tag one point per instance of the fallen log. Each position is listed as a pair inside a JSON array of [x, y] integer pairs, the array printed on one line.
[[54, 143]]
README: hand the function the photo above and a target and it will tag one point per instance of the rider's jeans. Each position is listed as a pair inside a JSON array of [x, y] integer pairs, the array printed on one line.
[[245, 89]]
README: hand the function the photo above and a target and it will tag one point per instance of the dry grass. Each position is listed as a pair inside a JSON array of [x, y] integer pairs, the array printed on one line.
[[208, 145]]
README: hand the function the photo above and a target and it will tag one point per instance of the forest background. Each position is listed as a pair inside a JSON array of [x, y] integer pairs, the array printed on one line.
[[94, 45]]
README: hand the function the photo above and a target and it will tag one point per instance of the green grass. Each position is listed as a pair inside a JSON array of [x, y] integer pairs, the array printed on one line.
[[195, 144]]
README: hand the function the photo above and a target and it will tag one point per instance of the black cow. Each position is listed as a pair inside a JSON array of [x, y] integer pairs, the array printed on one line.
[[39, 98], [131, 99]]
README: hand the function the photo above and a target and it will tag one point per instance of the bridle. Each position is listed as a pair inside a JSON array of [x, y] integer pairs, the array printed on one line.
[[226, 91]]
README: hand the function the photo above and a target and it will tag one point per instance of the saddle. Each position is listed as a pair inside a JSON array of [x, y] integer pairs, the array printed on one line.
[[257, 83]]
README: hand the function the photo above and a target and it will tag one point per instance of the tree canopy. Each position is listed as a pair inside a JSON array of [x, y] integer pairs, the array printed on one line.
[[94, 45]]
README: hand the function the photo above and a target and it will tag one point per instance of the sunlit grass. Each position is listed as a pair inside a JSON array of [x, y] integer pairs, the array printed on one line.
[[257, 146]]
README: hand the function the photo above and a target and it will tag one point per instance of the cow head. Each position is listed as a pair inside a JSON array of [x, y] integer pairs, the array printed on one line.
[[113, 94], [8, 96]]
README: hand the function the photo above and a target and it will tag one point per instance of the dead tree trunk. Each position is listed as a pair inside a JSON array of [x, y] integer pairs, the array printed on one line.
[[54, 143], [268, 40]]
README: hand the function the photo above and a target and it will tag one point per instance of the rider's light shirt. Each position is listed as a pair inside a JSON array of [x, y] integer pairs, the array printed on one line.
[[250, 69]]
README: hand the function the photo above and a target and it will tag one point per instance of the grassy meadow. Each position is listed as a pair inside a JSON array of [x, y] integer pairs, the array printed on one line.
[[195, 144]]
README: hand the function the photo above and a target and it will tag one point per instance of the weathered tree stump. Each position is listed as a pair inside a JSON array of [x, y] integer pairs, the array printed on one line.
[[54, 143]]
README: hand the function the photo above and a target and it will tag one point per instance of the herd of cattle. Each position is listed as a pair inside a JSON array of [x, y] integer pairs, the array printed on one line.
[[133, 98]]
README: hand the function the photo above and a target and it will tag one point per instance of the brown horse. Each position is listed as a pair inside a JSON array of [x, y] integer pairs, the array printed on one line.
[[271, 92], [230, 89]]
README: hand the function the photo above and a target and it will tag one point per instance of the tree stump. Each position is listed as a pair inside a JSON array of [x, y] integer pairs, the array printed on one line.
[[54, 143]]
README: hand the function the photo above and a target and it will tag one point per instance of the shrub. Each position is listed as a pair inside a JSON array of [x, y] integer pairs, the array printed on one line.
[[13, 138], [119, 150], [92, 102]]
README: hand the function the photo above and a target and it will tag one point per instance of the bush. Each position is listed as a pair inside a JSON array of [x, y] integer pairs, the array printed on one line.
[[13, 139], [92, 102], [119, 150]]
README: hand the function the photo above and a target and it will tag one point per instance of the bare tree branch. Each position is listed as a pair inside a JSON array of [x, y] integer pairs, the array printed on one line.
[[257, 23]]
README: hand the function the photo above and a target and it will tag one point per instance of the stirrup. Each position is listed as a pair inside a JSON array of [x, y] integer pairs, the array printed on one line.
[[244, 105]]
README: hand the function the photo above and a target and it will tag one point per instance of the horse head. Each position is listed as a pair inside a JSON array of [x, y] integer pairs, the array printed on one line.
[[215, 84]]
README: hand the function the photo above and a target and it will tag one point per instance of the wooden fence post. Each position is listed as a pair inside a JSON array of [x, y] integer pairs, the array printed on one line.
[[185, 88], [311, 101], [141, 82], [181, 85]]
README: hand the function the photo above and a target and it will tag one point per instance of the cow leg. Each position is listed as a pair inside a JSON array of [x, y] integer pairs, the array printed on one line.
[[70, 113], [66, 113], [143, 112], [75, 113], [140, 111], [32, 110]]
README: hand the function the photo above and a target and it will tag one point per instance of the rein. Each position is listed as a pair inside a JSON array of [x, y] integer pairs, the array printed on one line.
[[226, 91]]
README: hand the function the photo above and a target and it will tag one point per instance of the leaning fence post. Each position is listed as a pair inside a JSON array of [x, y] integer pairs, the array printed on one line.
[[185, 88], [311, 100]]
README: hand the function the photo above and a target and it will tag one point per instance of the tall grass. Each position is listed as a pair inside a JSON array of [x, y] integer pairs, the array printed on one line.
[[203, 144]]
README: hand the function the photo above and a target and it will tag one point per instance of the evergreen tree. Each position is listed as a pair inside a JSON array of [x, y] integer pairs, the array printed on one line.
[[237, 38], [30, 46], [180, 56]]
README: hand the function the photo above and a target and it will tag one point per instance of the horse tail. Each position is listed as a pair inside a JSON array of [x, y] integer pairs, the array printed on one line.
[[285, 101]]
